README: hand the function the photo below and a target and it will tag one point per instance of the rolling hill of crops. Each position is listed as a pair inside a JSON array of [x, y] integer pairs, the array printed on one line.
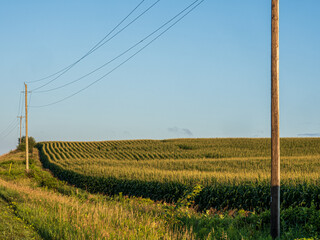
[[235, 173]]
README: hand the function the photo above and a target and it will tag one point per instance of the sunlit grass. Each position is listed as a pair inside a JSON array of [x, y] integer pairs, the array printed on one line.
[[59, 216], [58, 211]]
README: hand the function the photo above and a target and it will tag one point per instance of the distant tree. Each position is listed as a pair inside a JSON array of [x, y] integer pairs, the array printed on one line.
[[22, 145]]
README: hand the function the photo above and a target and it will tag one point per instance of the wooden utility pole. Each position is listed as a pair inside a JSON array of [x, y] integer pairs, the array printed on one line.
[[26, 117], [275, 136], [20, 128]]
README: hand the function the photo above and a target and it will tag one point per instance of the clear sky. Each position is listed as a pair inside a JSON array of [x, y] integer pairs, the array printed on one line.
[[207, 76]]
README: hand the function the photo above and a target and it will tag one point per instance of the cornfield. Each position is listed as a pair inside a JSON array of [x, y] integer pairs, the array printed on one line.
[[235, 173]]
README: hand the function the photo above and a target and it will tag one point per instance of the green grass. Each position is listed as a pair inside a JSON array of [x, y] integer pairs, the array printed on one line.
[[12, 227], [57, 210]]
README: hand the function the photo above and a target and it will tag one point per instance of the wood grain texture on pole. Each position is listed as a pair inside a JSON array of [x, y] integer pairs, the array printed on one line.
[[275, 128], [27, 139]]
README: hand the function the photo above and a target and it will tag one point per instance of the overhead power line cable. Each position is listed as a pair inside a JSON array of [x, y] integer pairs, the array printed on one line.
[[123, 53], [8, 127], [102, 42], [11, 124], [29, 101], [11, 130], [91, 50], [20, 102], [195, 3]]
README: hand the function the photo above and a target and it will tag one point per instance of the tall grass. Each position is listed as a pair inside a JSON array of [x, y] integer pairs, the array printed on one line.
[[60, 211], [76, 215]]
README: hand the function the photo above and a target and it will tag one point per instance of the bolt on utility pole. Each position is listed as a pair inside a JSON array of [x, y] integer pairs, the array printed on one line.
[[20, 128], [26, 117], [275, 133]]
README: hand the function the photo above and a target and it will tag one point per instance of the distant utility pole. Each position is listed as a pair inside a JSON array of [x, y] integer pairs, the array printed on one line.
[[26, 117], [20, 128], [275, 136]]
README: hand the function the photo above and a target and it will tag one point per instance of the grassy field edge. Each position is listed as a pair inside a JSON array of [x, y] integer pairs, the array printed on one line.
[[59, 211]]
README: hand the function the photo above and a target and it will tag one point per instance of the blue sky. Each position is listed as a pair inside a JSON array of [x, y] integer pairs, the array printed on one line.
[[208, 76]]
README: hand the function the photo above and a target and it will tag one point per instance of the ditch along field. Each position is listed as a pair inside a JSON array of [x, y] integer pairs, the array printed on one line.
[[38, 206], [234, 173]]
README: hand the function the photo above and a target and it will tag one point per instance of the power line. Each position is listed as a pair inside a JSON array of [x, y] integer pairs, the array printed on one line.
[[10, 131], [127, 58], [19, 108], [13, 127], [102, 42], [13, 121], [8, 127], [90, 51], [133, 55], [29, 100], [21, 101], [123, 53], [18, 134]]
